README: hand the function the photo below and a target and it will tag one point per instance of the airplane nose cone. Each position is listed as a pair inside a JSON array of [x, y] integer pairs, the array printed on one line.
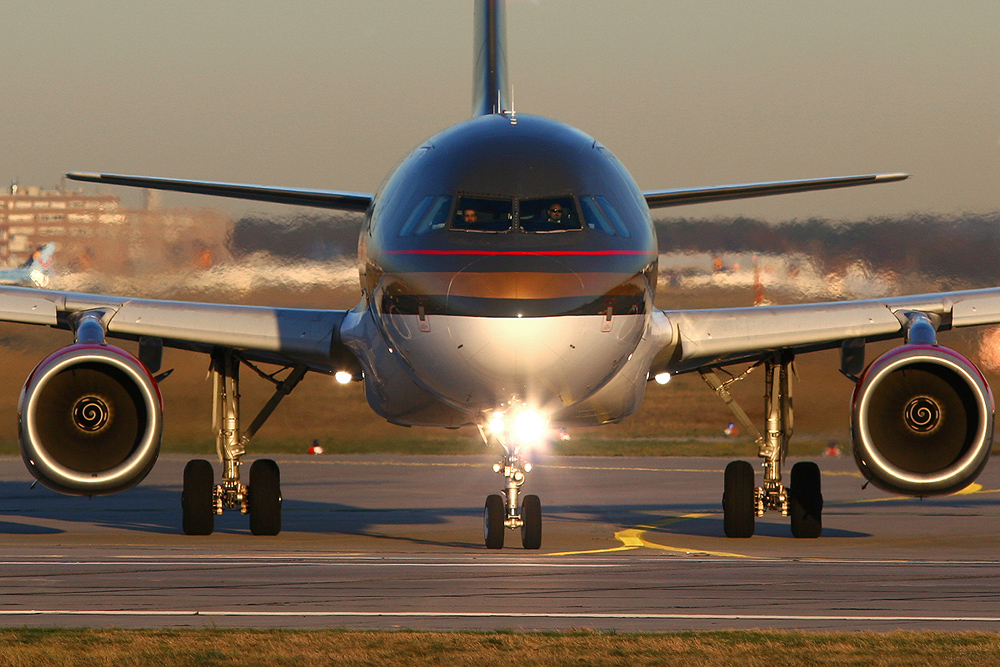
[[551, 335]]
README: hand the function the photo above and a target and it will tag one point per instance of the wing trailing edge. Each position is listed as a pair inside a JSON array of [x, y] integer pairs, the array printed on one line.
[[333, 199], [681, 196]]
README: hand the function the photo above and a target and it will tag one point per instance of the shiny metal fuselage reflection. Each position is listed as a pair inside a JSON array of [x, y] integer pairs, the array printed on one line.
[[543, 295]]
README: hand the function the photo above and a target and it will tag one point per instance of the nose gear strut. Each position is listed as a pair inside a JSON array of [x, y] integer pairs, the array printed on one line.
[[503, 511]]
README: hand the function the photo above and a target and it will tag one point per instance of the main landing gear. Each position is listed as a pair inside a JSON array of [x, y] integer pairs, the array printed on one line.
[[202, 499], [502, 511], [742, 501]]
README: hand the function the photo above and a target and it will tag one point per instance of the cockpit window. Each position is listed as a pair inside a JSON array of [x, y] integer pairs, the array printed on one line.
[[476, 214], [554, 214], [602, 216], [430, 214]]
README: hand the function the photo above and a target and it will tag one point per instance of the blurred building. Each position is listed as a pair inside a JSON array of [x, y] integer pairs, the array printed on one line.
[[32, 216], [95, 232]]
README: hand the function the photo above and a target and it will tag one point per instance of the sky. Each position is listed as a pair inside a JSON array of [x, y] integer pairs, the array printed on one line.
[[685, 93]]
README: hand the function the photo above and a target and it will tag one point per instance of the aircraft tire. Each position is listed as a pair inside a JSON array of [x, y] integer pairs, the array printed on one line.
[[197, 501], [738, 511], [493, 521], [805, 500], [531, 529], [264, 498]]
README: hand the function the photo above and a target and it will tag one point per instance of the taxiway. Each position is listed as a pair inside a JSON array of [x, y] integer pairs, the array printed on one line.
[[387, 541]]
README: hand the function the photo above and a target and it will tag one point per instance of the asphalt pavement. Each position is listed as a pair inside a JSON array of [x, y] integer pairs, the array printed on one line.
[[391, 541]]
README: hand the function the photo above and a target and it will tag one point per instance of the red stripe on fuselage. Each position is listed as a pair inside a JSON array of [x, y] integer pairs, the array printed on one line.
[[549, 253]]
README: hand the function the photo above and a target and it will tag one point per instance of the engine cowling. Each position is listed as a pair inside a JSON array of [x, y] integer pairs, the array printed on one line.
[[922, 421], [90, 419]]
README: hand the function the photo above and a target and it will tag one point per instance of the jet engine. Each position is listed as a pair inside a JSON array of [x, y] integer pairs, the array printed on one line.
[[90, 420], [922, 421]]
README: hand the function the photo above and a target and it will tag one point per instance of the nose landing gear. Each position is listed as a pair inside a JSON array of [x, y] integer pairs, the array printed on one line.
[[506, 511], [503, 512]]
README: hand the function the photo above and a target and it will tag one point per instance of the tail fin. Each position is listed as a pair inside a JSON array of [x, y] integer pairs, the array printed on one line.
[[489, 94]]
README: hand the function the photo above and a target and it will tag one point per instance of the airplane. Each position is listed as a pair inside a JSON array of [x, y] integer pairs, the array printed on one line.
[[507, 274], [34, 272]]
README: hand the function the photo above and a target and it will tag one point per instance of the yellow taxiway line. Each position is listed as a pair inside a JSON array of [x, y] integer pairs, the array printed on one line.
[[634, 538]]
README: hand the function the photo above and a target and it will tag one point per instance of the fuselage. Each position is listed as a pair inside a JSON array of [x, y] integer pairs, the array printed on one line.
[[510, 259]]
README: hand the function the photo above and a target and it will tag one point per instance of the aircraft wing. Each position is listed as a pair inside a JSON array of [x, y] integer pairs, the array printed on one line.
[[343, 201], [709, 337], [680, 196], [275, 335]]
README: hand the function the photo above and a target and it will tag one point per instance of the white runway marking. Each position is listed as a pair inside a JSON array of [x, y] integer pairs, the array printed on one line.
[[492, 614]]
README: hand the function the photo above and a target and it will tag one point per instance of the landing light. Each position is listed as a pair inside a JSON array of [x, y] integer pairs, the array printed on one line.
[[662, 378], [530, 426], [497, 424], [343, 377]]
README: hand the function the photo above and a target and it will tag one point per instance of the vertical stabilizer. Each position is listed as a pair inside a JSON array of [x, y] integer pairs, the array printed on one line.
[[489, 93]]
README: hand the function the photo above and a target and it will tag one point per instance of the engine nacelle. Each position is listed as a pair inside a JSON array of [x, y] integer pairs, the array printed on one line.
[[90, 420], [922, 421]]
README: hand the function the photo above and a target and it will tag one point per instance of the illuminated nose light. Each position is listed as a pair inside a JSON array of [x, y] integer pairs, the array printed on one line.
[[530, 426], [343, 377], [662, 378], [497, 425]]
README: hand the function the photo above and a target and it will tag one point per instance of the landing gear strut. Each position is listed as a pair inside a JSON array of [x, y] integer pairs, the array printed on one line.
[[504, 511], [201, 501], [742, 502]]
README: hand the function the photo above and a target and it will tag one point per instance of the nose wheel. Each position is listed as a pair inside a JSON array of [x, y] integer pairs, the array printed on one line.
[[531, 522], [493, 521], [503, 512]]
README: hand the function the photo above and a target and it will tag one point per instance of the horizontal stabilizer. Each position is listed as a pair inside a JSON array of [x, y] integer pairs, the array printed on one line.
[[343, 201], [681, 196]]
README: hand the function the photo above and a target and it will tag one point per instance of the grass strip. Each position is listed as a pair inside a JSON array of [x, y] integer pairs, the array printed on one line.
[[41, 647]]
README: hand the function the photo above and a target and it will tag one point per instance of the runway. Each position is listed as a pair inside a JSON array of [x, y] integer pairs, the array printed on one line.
[[390, 542]]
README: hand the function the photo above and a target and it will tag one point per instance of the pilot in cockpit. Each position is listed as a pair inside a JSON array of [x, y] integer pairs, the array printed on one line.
[[555, 213]]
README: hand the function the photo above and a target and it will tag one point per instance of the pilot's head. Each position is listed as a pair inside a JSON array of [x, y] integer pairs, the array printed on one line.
[[469, 215], [555, 212]]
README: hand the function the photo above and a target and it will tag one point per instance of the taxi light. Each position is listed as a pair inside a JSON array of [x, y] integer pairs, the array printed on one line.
[[662, 378], [530, 426], [497, 425], [343, 377]]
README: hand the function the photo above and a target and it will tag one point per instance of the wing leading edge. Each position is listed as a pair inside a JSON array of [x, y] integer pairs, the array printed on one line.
[[729, 335], [360, 201], [279, 335], [333, 199], [680, 196]]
